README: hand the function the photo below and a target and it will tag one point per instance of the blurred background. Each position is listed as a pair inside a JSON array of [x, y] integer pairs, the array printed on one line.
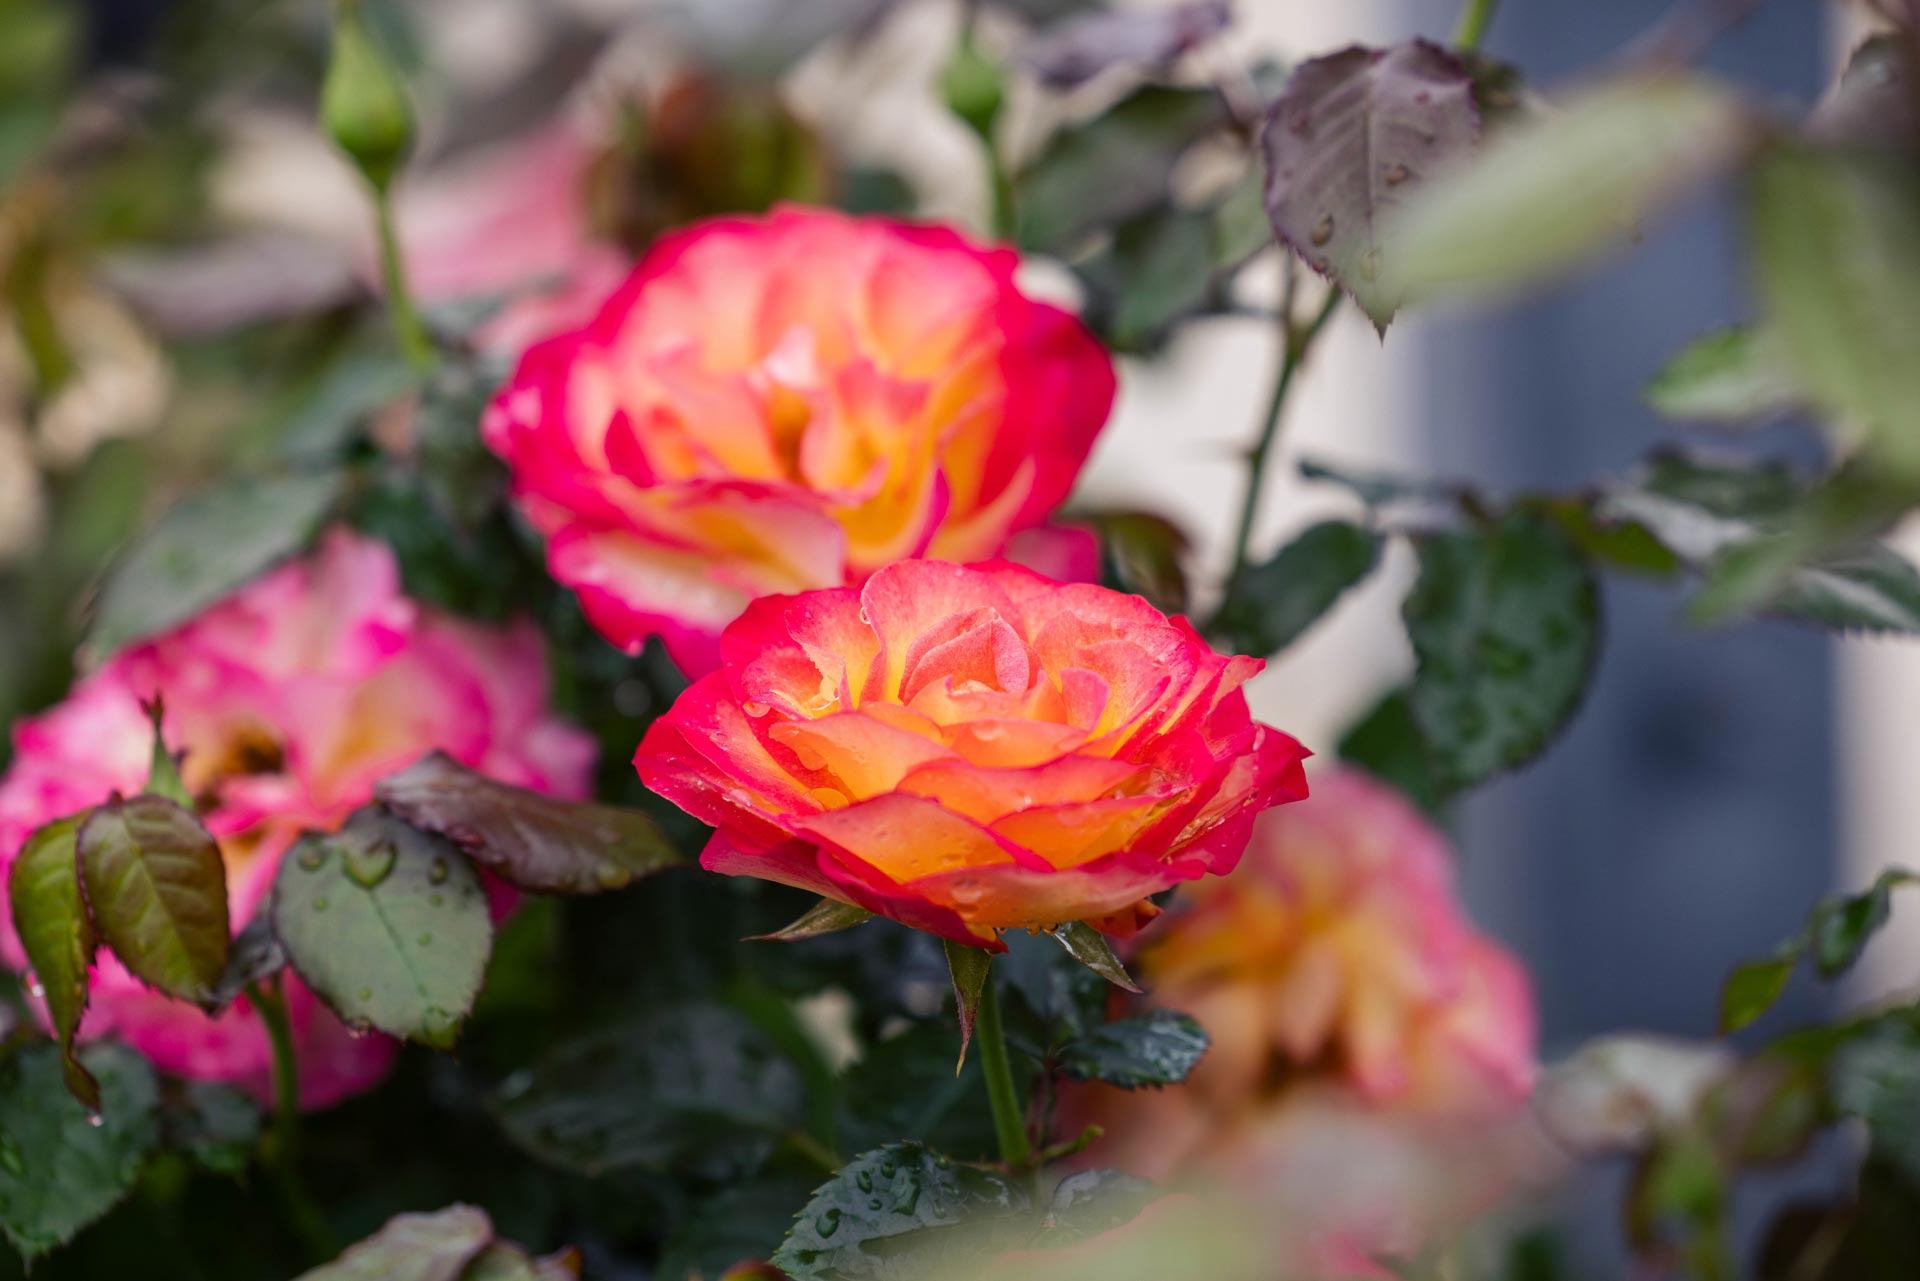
[[162, 278]]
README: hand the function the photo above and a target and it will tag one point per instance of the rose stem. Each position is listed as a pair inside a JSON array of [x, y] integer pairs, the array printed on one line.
[[1474, 21], [284, 1153], [1009, 1117]]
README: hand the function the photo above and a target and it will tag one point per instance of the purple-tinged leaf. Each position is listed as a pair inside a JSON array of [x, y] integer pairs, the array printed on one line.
[[1090, 947], [415, 1247], [157, 888], [1079, 48], [50, 917], [537, 842], [1351, 137]]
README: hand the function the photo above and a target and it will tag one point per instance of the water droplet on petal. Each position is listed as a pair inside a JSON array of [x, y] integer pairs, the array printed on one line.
[[755, 711]]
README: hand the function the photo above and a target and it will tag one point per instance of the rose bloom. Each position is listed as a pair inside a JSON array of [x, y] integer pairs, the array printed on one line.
[[1372, 1054], [969, 750], [290, 699], [779, 404]]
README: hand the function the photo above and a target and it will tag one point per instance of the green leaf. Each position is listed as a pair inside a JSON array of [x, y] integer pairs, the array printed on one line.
[[1158, 270], [1836, 244], [828, 916], [1112, 168], [50, 917], [1144, 554], [1388, 744], [1090, 947], [1090, 1202], [256, 956], [414, 1247], [1752, 989], [892, 1213], [1736, 375], [388, 925], [157, 889], [215, 1124], [1157, 1048], [905, 1084], [539, 843], [1550, 191], [695, 1091], [1273, 604], [205, 548], [60, 1167], [1504, 625], [1876, 1077], [163, 771], [971, 969], [1354, 135]]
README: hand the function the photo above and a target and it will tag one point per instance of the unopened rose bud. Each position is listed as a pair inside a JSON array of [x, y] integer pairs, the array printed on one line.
[[363, 104], [973, 87]]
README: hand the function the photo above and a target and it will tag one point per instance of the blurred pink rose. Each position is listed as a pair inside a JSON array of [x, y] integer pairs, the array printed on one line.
[[774, 405], [1372, 1054], [291, 698]]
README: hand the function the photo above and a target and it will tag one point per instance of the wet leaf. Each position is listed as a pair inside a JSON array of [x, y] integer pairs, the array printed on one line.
[[892, 1213], [1734, 376], [1354, 135], [215, 1124], [1273, 604], [693, 1090], [1550, 191], [828, 916], [1836, 244], [1090, 947], [1090, 1202], [205, 548], [414, 1247], [539, 843], [55, 930], [60, 1169], [1505, 629], [1388, 744], [157, 888], [1157, 1048], [388, 925]]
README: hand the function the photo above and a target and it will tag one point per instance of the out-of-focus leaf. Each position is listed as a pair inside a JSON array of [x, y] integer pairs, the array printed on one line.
[[906, 1084], [971, 968], [1547, 193], [537, 842], [828, 916], [898, 1210], [1090, 947], [1388, 744], [1144, 554], [1836, 243], [1505, 627], [1873, 101], [61, 1165], [1089, 1202], [1159, 269], [1112, 168], [692, 1090], [503, 1262], [1837, 931], [256, 955], [737, 1223], [1080, 47], [1156, 1048], [1734, 376], [414, 1247], [157, 889], [1876, 1077], [205, 548], [1379, 489], [1273, 604], [1622, 545], [1353, 137], [215, 1124], [55, 930], [249, 278], [760, 39], [387, 924]]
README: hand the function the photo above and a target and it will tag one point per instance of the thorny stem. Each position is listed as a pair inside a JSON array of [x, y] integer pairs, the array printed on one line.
[[1009, 1119], [1297, 342], [1474, 21], [283, 1157]]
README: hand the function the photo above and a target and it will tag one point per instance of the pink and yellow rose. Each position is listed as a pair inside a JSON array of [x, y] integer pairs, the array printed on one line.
[[971, 749], [291, 699], [781, 404], [1372, 1054]]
